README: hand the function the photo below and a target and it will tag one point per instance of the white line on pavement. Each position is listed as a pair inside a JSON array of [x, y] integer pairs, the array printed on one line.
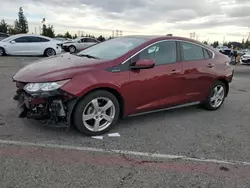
[[124, 152]]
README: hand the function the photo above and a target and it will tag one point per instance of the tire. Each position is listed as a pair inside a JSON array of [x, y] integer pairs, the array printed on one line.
[[87, 113], [72, 49], [213, 102], [2, 51], [49, 52]]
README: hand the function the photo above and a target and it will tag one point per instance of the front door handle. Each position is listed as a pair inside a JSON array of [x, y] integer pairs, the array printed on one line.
[[175, 72], [210, 65]]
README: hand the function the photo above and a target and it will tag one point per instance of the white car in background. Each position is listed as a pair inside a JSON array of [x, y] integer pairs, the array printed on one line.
[[33, 45], [245, 59], [221, 48], [79, 44]]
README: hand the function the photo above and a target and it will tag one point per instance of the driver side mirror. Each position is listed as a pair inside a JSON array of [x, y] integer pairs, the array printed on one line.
[[12, 42], [143, 64]]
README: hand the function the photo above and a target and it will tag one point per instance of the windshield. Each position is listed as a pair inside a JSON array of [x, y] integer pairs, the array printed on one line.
[[113, 48]]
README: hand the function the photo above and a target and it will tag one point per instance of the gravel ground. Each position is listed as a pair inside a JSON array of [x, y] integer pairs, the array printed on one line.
[[192, 132]]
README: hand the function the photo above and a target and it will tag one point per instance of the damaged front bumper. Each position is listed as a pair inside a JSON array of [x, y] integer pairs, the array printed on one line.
[[53, 107]]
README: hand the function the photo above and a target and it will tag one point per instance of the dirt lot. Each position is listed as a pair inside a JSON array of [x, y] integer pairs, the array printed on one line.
[[191, 147]]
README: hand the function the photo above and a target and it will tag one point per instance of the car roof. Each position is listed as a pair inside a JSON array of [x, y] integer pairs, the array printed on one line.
[[29, 35], [165, 37], [161, 37]]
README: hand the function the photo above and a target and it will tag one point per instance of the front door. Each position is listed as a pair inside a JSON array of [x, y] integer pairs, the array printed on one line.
[[159, 86], [18, 46]]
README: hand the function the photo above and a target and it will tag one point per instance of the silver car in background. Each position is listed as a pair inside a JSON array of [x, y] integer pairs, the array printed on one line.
[[78, 44]]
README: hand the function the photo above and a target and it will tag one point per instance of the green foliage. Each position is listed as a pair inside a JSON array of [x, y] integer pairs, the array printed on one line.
[[3, 26], [75, 36], [21, 24], [101, 38], [67, 35], [59, 36], [48, 31], [215, 44]]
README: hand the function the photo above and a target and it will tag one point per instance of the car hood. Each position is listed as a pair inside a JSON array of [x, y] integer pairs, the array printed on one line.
[[56, 68]]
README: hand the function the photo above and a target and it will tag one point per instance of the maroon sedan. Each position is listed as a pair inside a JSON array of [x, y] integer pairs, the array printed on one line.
[[122, 77]]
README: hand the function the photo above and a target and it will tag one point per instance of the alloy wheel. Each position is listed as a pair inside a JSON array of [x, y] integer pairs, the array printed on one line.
[[217, 96], [50, 52], [72, 49], [98, 114]]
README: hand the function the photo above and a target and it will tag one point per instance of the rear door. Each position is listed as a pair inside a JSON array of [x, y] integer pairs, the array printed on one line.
[[21, 46], [198, 71], [38, 45], [157, 87]]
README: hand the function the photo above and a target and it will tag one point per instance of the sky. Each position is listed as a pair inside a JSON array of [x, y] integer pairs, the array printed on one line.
[[210, 19]]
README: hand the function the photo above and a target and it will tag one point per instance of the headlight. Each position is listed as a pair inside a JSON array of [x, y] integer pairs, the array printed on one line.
[[49, 86]]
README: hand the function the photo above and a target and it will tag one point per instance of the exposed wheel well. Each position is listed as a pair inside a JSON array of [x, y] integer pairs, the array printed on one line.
[[226, 84]]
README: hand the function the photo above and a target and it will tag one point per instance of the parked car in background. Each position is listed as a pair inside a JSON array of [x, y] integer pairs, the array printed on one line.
[[3, 36], [221, 48], [62, 40], [245, 59], [122, 77], [79, 44], [25, 44]]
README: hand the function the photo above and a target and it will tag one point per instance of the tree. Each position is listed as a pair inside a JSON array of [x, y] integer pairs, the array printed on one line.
[[11, 30], [215, 44], [21, 25], [75, 36], [60, 36], [225, 44], [205, 42], [3, 26], [67, 35], [247, 44], [101, 38], [243, 44], [48, 31]]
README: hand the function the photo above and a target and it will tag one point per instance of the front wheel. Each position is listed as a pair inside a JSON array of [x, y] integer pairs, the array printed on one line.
[[2, 52], [72, 49], [96, 113], [216, 96]]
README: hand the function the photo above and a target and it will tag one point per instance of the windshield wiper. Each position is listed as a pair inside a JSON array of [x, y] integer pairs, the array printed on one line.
[[88, 56]]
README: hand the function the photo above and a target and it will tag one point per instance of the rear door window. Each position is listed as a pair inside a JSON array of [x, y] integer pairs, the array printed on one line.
[[192, 51]]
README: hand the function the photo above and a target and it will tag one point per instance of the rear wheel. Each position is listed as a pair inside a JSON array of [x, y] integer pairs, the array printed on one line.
[[2, 52], [216, 96], [50, 52], [96, 113]]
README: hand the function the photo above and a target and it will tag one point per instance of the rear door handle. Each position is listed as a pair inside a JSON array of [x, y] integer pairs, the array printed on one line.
[[210, 65], [175, 72]]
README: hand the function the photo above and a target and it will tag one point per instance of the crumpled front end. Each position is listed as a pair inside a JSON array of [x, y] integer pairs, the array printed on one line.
[[50, 106]]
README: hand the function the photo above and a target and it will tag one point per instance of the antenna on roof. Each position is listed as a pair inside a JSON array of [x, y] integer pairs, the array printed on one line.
[[169, 35]]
